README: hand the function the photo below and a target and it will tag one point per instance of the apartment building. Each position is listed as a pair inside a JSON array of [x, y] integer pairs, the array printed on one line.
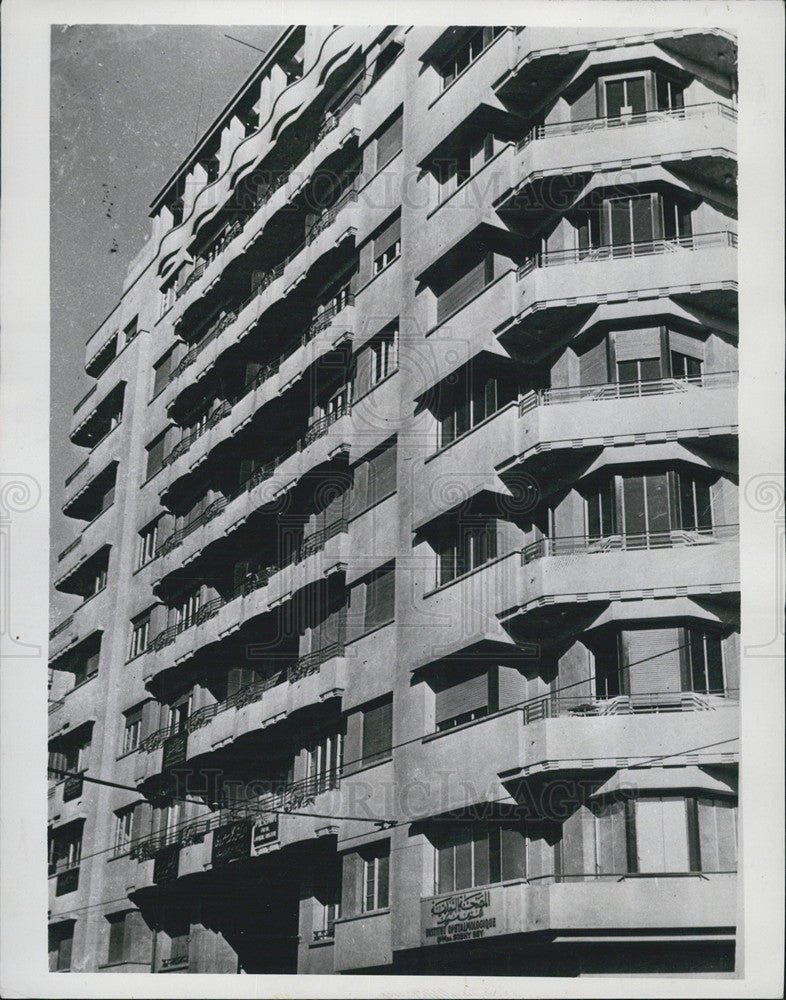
[[406, 524]]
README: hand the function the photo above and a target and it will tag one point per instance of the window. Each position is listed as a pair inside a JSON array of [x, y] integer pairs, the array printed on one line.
[[131, 329], [474, 275], [140, 635], [161, 371], [168, 295], [65, 848], [117, 938], [703, 661], [178, 714], [155, 455], [469, 397], [327, 904], [97, 581], [124, 828], [466, 698], [390, 141], [377, 730], [453, 171], [187, 609], [625, 99], [376, 876], [148, 543], [86, 665], [695, 502], [684, 366], [471, 542], [374, 478], [387, 245], [383, 355], [639, 370], [380, 597], [324, 756], [132, 732], [61, 941], [473, 855], [467, 51], [670, 94], [611, 679]]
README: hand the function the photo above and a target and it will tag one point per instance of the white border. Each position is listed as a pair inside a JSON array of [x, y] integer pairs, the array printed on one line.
[[24, 450]]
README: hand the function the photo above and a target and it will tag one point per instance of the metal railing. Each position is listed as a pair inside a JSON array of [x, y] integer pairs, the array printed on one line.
[[61, 627], [552, 706], [113, 336], [643, 248], [86, 396], [626, 390], [216, 414], [70, 548], [284, 796], [589, 545], [205, 613], [75, 473], [302, 667], [647, 117], [55, 705]]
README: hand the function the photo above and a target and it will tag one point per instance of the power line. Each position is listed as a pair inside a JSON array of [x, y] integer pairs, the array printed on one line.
[[241, 42]]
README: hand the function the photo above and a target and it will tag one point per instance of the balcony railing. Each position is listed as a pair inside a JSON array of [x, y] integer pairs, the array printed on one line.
[[70, 548], [86, 396], [330, 122], [284, 796], [559, 705], [205, 613], [587, 545], [643, 248], [251, 693], [75, 473], [54, 706], [213, 332], [626, 390], [216, 414], [647, 117], [64, 624]]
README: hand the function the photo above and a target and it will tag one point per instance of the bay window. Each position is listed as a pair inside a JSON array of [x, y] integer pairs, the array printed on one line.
[[467, 544], [473, 854]]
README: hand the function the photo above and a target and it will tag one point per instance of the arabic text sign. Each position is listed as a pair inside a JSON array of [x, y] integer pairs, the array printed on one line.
[[464, 916]]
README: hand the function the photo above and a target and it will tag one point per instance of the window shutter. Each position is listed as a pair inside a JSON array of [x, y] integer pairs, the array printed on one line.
[[390, 141], [633, 344], [155, 455], [381, 475], [513, 853], [686, 345], [117, 926], [387, 237], [380, 597], [469, 285], [362, 372], [651, 660], [377, 731], [360, 489], [350, 879], [467, 695]]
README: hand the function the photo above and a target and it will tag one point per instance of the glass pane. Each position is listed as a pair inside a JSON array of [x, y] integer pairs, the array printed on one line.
[[482, 869], [675, 835], [703, 506], [641, 213], [383, 873], [687, 513], [658, 503], [614, 98], [633, 505], [464, 863], [627, 371], [714, 663], [635, 95], [650, 369], [696, 650], [593, 515], [619, 209], [445, 869]]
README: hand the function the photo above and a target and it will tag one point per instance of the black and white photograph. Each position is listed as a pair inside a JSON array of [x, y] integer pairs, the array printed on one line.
[[391, 479]]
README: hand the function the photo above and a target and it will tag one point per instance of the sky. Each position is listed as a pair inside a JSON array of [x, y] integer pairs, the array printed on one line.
[[127, 103]]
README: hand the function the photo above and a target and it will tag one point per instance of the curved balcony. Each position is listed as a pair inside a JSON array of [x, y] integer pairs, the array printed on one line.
[[92, 427], [329, 329], [702, 267], [325, 439], [335, 132], [560, 571], [701, 138], [336, 53], [104, 452], [334, 228]]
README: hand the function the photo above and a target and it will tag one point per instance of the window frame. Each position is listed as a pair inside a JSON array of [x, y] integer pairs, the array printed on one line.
[[140, 626], [375, 882]]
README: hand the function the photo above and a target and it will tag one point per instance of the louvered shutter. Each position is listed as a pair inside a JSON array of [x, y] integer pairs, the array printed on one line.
[[381, 475], [593, 365], [633, 344], [467, 695], [380, 597], [377, 731], [461, 291], [651, 660], [387, 237], [390, 141]]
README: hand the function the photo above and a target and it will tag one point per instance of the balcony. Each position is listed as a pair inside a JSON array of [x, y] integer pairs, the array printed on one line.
[[554, 282], [335, 57], [556, 571], [62, 637], [591, 903], [84, 480], [101, 420], [103, 355], [700, 139], [325, 438], [329, 329], [594, 416]]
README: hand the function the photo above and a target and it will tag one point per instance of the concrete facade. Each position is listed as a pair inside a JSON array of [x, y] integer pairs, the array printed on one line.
[[407, 525]]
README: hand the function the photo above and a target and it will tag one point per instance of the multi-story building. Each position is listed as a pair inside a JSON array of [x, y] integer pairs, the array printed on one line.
[[406, 518]]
